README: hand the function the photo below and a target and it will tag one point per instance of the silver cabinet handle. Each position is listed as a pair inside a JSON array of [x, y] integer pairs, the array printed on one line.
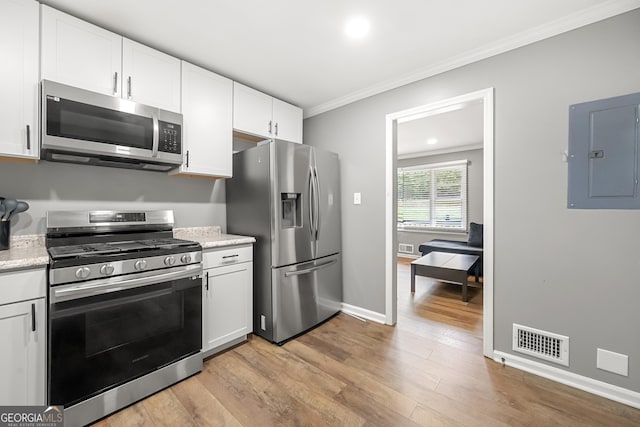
[[129, 87], [270, 124], [28, 137], [276, 129], [310, 269], [207, 282], [228, 259], [187, 159], [33, 317], [115, 83]]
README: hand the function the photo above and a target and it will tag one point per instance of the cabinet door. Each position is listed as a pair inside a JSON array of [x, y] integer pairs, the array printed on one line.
[[80, 54], [252, 111], [19, 78], [207, 108], [228, 304], [22, 359], [287, 120], [150, 77]]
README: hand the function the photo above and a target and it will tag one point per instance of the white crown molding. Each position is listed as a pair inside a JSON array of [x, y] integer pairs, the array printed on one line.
[[600, 388], [441, 151], [363, 313], [587, 16]]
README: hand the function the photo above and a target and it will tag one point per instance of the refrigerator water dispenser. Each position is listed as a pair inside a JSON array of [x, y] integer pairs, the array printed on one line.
[[291, 210]]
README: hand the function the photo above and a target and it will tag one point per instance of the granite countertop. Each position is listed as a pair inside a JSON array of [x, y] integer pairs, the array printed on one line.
[[24, 252], [211, 237], [30, 251]]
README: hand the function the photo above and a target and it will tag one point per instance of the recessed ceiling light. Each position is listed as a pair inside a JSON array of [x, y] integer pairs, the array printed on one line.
[[432, 141], [357, 27]]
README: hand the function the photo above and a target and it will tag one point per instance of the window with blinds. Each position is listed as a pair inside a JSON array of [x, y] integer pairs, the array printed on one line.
[[433, 197]]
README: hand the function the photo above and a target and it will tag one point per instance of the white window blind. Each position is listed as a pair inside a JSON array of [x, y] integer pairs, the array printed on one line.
[[433, 196]]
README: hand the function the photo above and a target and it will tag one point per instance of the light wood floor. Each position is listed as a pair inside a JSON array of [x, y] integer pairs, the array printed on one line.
[[428, 371]]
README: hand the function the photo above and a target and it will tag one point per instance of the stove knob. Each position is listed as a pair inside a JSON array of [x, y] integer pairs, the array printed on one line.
[[107, 269], [83, 273], [186, 259], [140, 265], [170, 260]]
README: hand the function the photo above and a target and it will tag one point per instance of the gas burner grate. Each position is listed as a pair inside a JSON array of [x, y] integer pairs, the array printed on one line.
[[82, 250]]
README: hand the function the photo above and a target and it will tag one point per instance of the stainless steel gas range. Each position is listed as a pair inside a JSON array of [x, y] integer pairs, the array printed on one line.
[[125, 309]]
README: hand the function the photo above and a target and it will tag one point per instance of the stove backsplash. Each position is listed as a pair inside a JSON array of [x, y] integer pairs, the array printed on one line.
[[46, 186]]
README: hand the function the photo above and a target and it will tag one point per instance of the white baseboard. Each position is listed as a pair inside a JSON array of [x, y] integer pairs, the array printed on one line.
[[600, 388], [363, 313]]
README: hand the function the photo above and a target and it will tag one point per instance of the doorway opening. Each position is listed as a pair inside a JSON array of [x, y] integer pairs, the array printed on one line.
[[485, 97]]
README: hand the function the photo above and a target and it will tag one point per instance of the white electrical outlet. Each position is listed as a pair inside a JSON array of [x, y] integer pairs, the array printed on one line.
[[357, 198], [612, 362]]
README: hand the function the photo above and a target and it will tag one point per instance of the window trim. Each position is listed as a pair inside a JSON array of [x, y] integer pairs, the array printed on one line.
[[465, 208]]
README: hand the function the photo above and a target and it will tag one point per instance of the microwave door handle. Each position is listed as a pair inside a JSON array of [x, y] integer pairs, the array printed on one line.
[[156, 136]]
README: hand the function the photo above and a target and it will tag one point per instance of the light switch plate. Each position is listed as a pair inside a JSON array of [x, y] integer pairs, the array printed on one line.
[[357, 198]]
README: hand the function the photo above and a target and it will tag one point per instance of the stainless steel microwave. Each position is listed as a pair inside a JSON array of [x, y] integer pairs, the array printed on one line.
[[79, 126]]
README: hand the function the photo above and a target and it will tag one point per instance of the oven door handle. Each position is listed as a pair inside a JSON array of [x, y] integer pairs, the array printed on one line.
[[114, 284]]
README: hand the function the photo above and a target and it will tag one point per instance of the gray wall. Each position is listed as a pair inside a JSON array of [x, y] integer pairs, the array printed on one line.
[[475, 172], [572, 272], [61, 186]]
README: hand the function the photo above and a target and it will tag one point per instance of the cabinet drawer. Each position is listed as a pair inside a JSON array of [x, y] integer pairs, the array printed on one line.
[[22, 285], [226, 256]]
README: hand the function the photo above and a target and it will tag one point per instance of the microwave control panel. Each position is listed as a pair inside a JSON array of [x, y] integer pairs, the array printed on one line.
[[170, 137]]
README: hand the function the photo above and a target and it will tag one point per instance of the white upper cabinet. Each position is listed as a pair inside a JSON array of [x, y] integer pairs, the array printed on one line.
[[252, 111], [80, 54], [19, 78], [207, 133], [150, 77], [259, 114], [288, 121]]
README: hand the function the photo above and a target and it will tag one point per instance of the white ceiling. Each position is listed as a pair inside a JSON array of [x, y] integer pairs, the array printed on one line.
[[454, 130], [297, 50]]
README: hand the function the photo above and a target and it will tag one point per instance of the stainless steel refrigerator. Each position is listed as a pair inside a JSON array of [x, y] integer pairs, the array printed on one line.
[[288, 196]]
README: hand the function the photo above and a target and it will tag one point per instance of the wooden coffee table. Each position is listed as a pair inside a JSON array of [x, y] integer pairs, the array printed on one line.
[[445, 266]]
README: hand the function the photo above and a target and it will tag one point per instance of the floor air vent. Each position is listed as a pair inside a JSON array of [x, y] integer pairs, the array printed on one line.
[[541, 344], [405, 248]]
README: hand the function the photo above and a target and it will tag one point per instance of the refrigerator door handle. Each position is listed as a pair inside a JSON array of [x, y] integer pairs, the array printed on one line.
[[312, 220], [309, 270], [316, 199]]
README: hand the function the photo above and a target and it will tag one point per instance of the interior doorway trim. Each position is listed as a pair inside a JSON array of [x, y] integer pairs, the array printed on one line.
[[391, 236]]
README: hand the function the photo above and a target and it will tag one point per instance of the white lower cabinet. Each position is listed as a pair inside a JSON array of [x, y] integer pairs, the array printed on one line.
[[227, 299], [23, 338]]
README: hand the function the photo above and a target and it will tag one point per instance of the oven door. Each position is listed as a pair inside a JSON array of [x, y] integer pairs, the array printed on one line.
[[105, 333]]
